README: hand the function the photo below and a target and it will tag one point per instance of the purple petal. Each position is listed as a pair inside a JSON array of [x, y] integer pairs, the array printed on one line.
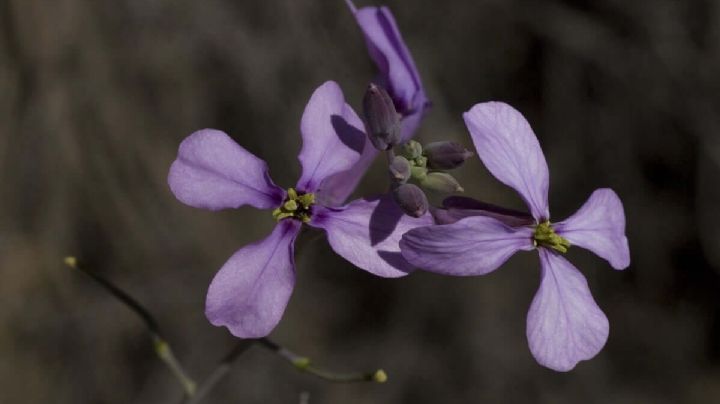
[[335, 190], [411, 122], [213, 172], [509, 149], [599, 226], [459, 207], [250, 292], [333, 137], [398, 73], [367, 231], [564, 324], [472, 246]]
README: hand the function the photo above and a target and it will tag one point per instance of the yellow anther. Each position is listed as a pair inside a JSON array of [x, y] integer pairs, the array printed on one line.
[[545, 236], [296, 206], [291, 205]]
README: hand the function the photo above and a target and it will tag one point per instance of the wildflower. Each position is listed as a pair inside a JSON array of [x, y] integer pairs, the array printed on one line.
[[398, 75], [250, 292], [564, 324]]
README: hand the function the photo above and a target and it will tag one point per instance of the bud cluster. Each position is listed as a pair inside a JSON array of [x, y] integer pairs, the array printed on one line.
[[425, 166]]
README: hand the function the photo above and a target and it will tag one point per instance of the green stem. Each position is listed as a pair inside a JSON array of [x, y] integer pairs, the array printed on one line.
[[220, 372], [304, 364], [160, 345]]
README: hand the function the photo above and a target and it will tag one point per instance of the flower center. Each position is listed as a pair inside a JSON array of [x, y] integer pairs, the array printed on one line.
[[545, 236], [297, 205]]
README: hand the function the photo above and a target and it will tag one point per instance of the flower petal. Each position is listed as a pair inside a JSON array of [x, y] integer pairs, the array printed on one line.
[[398, 73], [366, 232], [250, 292], [410, 123], [213, 172], [459, 207], [509, 149], [599, 226], [472, 246], [564, 324], [335, 190], [333, 137]]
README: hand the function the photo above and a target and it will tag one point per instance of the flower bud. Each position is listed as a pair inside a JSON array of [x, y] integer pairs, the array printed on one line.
[[441, 182], [412, 150], [411, 200], [446, 155], [400, 169], [383, 121], [418, 173]]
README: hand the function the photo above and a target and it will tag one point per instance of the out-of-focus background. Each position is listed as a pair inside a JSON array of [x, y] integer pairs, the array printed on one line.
[[95, 97]]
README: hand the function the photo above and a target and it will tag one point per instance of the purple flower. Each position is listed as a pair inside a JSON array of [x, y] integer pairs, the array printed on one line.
[[398, 75], [564, 324], [250, 292]]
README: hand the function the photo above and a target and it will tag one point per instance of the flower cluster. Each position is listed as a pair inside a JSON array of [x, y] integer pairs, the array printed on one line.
[[391, 234]]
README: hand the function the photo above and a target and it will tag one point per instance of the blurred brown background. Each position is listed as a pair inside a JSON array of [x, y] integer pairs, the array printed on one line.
[[95, 97]]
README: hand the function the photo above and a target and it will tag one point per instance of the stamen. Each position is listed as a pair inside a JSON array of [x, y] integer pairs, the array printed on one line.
[[545, 236], [296, 206]]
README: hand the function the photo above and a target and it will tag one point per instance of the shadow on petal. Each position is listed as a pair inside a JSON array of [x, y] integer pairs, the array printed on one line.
[[384, 219], [351, 136]]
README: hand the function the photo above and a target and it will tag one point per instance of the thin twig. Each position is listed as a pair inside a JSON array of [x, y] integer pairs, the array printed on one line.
[[220, 372], [160, 345], [304, 364], [194, 395]]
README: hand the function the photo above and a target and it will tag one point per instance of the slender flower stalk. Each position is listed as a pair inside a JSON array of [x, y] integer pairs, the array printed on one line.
[[304, 364], [194, 394], [160, 345], [219, 373]]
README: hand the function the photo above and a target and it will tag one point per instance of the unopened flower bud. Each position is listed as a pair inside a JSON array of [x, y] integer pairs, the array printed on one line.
[[412, 150], [383, 121], [418, 173], [411, 200], [446, 155], [441, 182], [400, 169]]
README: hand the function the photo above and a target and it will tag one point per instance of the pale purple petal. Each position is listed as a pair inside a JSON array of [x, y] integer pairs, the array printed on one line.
[[213, 172], [333, 137], [564, 324], [509, 149], [599, 226], [335, 190], [410, 123], [398, 73], [366, 232], [458, 207], [472, 246], [250, 292]]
